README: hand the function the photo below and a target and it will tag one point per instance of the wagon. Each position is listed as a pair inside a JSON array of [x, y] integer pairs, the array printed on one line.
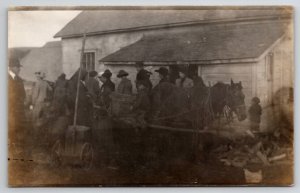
[[143, 141]]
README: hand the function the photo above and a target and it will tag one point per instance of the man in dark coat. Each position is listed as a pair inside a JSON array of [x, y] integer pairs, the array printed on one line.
[[84, 105], [60, 95], [16, 99], [143, 76], [142, 103], [106, 89], [125, 86], [162, 91], [92, 85]]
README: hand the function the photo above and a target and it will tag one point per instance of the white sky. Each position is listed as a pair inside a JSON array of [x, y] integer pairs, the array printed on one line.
[[35, 28]]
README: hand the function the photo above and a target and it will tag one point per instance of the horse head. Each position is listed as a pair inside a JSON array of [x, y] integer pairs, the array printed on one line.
[[236, 100]]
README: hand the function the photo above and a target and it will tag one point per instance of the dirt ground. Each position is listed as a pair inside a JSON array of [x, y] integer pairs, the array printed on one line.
[[30, 165], [36, 170], [177, 173]]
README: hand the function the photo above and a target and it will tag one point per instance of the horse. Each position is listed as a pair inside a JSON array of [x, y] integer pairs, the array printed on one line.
[[228, 99], [84, 108], [202, 105]]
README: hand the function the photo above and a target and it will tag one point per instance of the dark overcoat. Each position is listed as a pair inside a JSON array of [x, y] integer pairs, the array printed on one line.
[[125, 86], [16, 109]]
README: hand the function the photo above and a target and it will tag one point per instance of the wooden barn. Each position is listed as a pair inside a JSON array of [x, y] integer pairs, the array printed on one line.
[[252, 45], [47, 59]]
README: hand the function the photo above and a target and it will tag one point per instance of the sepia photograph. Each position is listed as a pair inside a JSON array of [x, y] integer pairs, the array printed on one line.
[[150, 96]]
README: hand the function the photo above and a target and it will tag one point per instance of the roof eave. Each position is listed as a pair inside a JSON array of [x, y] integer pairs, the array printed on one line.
[[197, 62], [216, 21]]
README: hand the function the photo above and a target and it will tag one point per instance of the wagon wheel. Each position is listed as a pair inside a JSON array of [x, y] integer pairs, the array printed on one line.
[[87, 155], [56, 154]]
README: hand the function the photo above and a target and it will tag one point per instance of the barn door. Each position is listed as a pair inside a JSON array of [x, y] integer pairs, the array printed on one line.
[[192, 70]]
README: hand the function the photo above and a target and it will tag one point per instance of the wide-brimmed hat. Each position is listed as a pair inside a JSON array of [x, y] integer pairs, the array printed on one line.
[[163, 71], [107, 74], [122, 73], [14, 62], [93, 73]]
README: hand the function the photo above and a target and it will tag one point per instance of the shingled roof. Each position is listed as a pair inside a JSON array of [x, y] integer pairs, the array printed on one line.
[[107, 21], [243, 42]]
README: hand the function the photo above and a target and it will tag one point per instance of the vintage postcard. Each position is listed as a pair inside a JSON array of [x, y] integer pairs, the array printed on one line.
[[150, 96]]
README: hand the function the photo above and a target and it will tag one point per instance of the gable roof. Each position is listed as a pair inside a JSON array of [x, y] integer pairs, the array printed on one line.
[[47, 59], [247, 41], [106, 21]]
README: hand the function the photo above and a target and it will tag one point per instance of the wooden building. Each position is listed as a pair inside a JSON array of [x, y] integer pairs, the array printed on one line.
[[253, 45], [47, 59]]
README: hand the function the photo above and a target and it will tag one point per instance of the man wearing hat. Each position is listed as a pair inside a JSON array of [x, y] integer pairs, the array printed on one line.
[[39, 96], [163, 89], [16, 99], [142, 103], [125, 86], [183, 81], [92, 85], [143, 76], [107, 88]]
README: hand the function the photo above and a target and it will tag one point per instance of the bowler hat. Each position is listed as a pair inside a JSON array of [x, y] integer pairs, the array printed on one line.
[[122, 73], [163, 71], [14, 62]]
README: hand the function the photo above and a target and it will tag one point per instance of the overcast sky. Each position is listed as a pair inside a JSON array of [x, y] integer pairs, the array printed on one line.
[[35, 28]]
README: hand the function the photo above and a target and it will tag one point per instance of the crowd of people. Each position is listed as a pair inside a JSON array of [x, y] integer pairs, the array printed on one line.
[[96, 88], [95, 91]]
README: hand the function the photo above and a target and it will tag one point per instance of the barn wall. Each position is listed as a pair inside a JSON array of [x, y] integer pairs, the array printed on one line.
[[101, 45], [274, 71], [283, 64], [211, 74], [47, 60], [106, 44]]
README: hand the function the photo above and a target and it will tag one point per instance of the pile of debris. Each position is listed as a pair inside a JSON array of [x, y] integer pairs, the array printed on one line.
[[259, 148], [255, 149]]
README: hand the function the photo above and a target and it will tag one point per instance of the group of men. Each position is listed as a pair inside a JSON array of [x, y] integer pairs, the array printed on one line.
[[146, 93], [98, 88]]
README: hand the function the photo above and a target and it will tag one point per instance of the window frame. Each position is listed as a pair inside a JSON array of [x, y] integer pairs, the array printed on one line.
[[89, 63]]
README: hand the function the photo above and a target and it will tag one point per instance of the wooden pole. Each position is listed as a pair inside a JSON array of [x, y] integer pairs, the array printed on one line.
[[78, 80]]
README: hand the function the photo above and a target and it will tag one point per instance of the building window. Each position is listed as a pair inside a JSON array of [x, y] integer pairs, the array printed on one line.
[[89, 61]]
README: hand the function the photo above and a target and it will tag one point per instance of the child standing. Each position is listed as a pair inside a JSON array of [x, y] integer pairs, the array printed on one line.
[[255, 112]]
